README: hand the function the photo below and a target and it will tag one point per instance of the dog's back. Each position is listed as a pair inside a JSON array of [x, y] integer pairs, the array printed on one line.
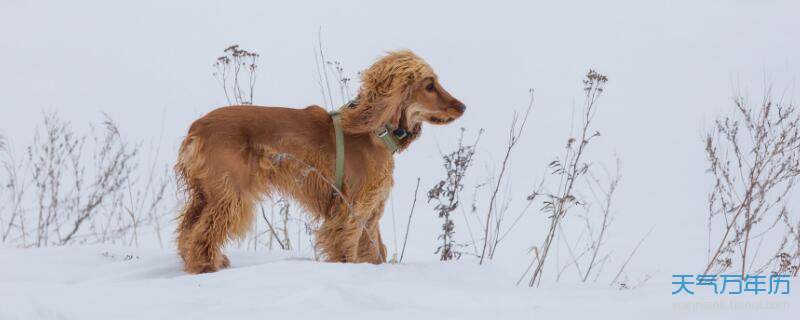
[[227, 162]]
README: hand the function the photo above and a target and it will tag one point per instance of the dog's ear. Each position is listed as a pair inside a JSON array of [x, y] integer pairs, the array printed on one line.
[[396, 104], [368, 115], [384, 95]]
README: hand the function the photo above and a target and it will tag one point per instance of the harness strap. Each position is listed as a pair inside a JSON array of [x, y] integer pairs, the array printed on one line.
[[339, 133]]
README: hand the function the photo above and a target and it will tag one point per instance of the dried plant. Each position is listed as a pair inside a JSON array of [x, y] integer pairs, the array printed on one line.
[[568, 169], [473, 214], [283, 212], [327, 69], [754, 159], [341, 79], [491, 232], [787, 261], [147, 203], [15, 183], [274, 237], [447, 194], [408, 224], [236, 74], [597, 216], [82, 188], [602, 191], [628, 260]]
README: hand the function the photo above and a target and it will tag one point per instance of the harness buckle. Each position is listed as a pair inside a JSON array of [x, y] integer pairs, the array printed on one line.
[[383, 132]]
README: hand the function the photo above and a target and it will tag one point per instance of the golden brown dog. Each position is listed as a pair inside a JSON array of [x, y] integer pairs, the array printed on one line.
[[234, 156]]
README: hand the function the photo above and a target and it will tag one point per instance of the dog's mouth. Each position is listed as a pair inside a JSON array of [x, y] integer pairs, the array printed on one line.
[[454, 112], [447, 116], [438, 120]]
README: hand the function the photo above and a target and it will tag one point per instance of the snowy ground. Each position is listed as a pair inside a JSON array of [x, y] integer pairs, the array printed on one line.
[[105, 282]]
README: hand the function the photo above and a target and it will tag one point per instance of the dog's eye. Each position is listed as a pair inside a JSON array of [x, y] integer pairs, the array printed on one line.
[[430, 87]]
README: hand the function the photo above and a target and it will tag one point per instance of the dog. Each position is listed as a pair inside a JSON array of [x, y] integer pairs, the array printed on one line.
[[235, 156]]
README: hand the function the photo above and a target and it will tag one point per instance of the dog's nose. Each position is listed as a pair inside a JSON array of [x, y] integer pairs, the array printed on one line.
[[460, 107]]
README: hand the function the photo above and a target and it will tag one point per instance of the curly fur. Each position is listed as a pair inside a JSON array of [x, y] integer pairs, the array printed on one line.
[[236, 155]]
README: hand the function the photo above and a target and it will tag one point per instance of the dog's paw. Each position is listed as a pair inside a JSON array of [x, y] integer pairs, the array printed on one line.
[[224, 262], [201, 268]]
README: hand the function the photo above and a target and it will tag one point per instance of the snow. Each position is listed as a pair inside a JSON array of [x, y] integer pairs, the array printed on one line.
[[112, 282]]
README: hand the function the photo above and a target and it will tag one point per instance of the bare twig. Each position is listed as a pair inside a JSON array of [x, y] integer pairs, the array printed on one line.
[[228, 68], [408, 224], [606, 210], [569, 169], [754, 157], [271, 229], [514, 135], [630, 256]]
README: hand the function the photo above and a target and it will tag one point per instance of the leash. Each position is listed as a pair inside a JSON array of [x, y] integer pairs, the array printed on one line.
[[391, 139]]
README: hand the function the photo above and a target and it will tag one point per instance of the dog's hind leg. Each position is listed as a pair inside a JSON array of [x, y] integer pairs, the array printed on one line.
[[188, 218], [224, 217]]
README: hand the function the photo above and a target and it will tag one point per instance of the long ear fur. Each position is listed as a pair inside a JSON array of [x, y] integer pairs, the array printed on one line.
[[386, 90]]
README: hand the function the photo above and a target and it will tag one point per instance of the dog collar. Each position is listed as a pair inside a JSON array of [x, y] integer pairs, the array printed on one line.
[[391, 138]]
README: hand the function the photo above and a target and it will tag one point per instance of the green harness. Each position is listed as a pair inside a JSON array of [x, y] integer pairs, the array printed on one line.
[[390, 137]]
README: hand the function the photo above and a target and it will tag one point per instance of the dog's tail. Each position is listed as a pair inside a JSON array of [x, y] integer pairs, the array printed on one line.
[[189, 174], [187, 171]]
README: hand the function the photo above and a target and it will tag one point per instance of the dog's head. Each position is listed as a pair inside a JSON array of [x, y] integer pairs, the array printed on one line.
[[432, 104], [402, 91]]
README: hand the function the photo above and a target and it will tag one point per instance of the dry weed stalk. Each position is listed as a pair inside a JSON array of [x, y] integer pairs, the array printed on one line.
[[628, 260], [604, 195], [16, 185], [408, 224], [327, 69], [788, 257], [596, 223], [284, 244], [491, 231], [78, 196], [235, 63], [569, 169], [754, 158]]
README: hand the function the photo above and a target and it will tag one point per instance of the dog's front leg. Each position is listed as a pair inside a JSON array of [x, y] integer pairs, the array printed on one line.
[[370, 247], [360, 239], [353, 232], [341, 237]]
